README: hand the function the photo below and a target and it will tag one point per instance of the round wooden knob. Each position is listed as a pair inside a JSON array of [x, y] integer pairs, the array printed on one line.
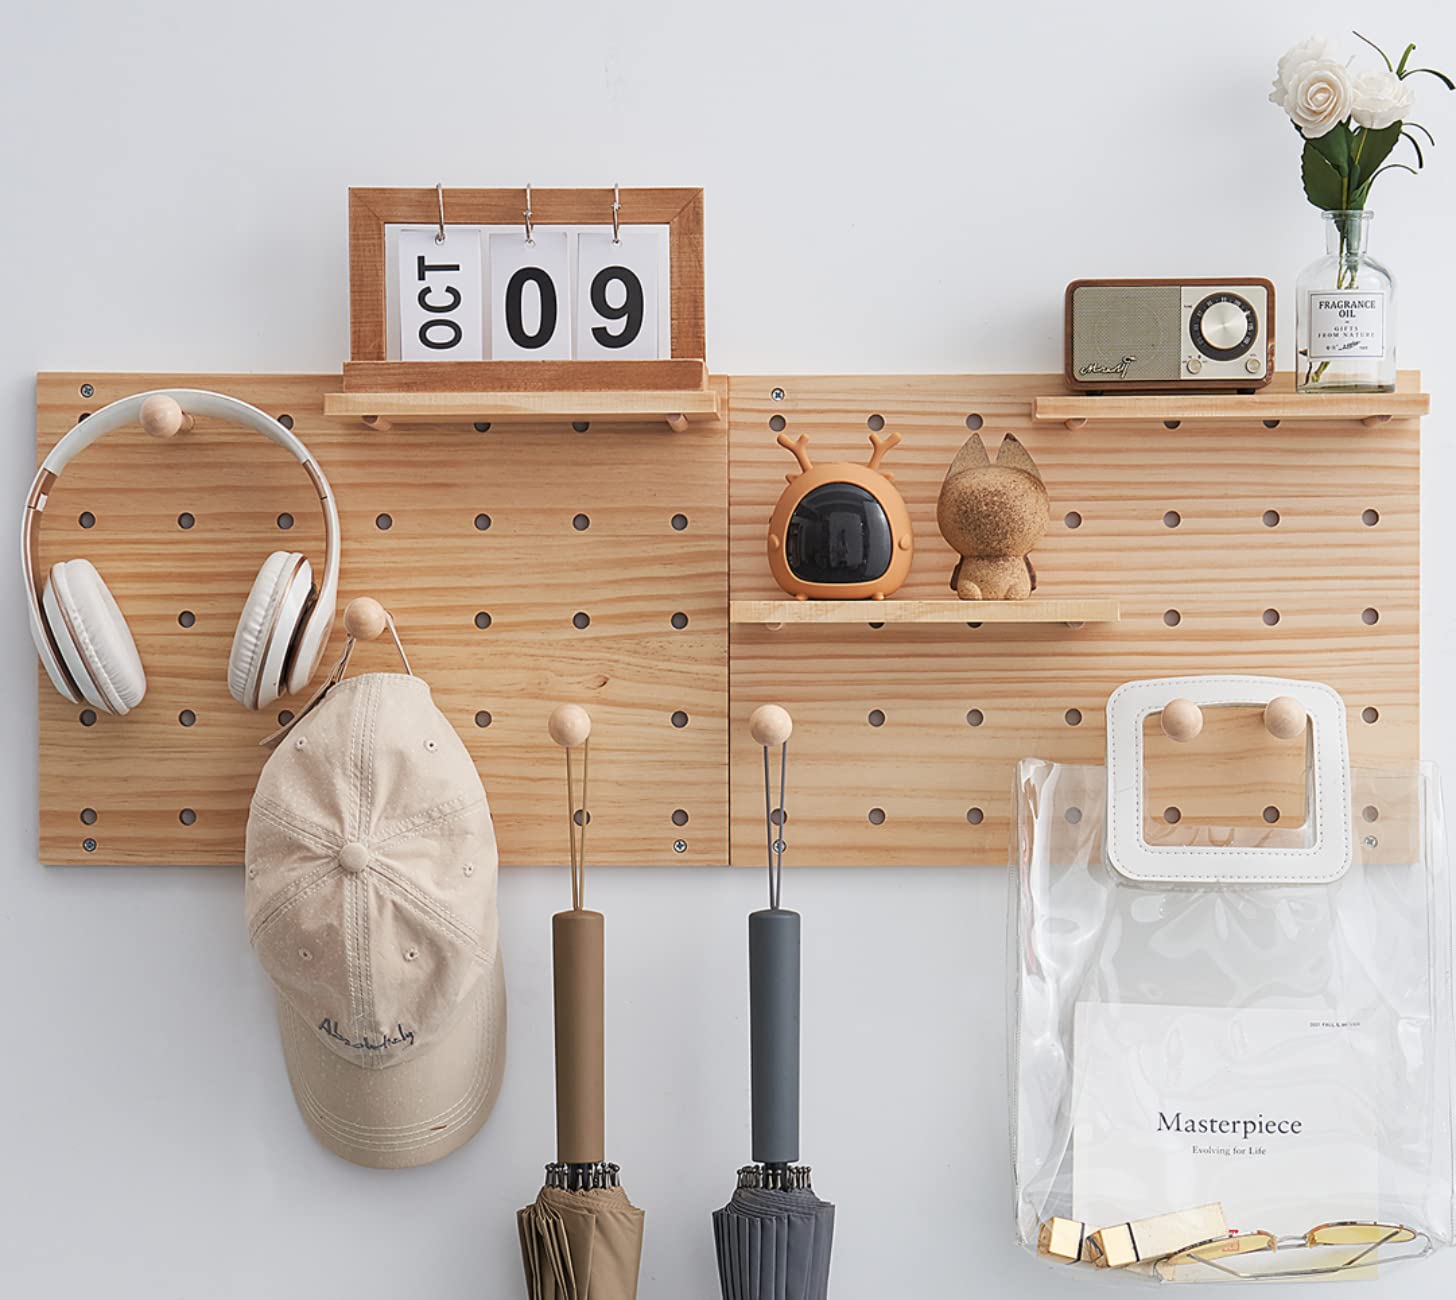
[[1182, 720], [770, 725], [1284, 717], [569, 726], [162, 417], [364, 618]]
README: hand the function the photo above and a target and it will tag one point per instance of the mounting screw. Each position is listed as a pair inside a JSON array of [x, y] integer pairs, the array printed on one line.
[[679, 846], [89, 845], [779, 846], [87, 391], [777, 394], [1371, 842]]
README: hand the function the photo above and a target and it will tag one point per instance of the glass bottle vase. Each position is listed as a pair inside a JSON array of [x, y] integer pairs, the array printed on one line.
[[1344, 306]]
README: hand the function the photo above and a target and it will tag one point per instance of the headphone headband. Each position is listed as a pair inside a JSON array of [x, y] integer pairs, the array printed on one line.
[[314, 632]]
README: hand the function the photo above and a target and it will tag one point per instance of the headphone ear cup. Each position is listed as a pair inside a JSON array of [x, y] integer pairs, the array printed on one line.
[[266, 629], [93, 637]]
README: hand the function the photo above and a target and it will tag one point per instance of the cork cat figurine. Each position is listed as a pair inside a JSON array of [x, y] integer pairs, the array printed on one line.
[[992, 513]]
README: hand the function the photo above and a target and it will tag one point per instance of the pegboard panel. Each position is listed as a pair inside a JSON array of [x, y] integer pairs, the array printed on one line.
[[526, 566], [1287, 548]]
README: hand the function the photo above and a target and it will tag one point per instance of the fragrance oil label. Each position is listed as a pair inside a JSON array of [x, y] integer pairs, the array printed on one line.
[[1346, 324]]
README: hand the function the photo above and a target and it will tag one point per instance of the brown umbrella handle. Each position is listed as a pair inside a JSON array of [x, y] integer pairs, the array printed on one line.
[[578, 942]]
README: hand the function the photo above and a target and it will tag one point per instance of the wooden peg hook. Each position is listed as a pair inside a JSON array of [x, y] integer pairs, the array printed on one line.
[[569, 725], [162, 417], [1285, 717], [1182, 720], [770, 725], [364, 618]]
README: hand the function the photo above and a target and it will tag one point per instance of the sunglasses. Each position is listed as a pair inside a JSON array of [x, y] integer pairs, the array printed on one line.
[[1362, 1238]]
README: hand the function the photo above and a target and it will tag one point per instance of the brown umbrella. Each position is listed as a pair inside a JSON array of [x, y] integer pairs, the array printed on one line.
[[582, 1238]]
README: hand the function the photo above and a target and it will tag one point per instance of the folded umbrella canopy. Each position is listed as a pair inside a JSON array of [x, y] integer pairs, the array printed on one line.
[[774, 1236], [582, 1238]]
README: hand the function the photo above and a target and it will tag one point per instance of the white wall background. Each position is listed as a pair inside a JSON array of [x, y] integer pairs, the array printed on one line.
[[890, 188]]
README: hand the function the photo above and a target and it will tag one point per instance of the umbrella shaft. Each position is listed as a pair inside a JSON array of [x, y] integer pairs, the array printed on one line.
[[577, 948], [773, 988]]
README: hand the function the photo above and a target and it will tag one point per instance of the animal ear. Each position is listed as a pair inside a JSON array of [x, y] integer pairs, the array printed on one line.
[[1013, 455], [972, 455]]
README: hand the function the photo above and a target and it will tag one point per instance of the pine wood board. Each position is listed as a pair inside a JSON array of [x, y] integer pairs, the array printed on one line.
[[781, 612], [531, 570], [1212, 577], [645, 409], [521, 376]]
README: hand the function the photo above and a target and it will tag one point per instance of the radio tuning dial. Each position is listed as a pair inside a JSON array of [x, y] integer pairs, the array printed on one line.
[[1223, 326]]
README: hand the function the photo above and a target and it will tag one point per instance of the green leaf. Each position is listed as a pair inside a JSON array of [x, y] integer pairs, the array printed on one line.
[[1441, 76], [1370, 150], [1404, 59], [1323, 185], [1364, 191], [1420, 157], [1334, 148], [1377, 50]]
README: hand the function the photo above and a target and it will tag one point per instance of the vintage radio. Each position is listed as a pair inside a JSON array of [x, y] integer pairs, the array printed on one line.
[[1170, 335]]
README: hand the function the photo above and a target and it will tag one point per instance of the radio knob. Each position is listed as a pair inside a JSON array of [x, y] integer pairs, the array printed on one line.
[[1253, 366], [1194, 365], [1224, 325]]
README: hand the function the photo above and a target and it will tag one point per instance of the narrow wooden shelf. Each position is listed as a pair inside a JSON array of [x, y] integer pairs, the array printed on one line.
[[1277, 402], [676, 407], [776, 613]]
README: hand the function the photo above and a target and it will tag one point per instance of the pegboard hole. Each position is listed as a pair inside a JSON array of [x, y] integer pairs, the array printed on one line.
[[187, 718], [285, 521], [1072, 519], [1370, 813], [974, 717], [975, 816], [383, 522], [679, 817], [779, 816], [285, 716], [876, 423], [1271, 617], [875, 626], [679, 719], [1073, 816], [1171, 424], [186, 618], [581, 522], [877, 816], [286, 421], [1172, 617], [482, 522], [581, 426], [777, 423], [482, 620], [1073, 717], [186, 520], [1370, 518], [481, 426], [1171, 519], [581, 817], [86, 519], [970, 625], [974, 422], [1370, 617], [1271, 814], [88, 816], [483, 719], [1370, 714], [876, 718], [581, 619], [679, 620], [1271, 519], [187, 816], [1172, 814], [679, 522], [1271, 424], [88, 717]]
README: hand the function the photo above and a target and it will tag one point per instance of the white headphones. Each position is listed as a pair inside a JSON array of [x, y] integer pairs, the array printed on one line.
[[78, 628]]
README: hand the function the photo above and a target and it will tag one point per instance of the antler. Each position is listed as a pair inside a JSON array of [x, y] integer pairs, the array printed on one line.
[[881, 447], [798, 446]]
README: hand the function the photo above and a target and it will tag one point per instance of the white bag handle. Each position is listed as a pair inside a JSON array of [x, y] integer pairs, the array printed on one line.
[[1327, 855]]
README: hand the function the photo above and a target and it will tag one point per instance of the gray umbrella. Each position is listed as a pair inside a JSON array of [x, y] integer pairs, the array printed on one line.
[[774, 1236]]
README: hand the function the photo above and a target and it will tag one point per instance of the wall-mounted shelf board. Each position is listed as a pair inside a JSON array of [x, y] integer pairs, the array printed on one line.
[[673, 409], [1225, 545], [668, 374], [771, 613], [1277, 402]]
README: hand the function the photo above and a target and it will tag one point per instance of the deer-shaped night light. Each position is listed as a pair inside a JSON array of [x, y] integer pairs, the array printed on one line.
[[840, 531]]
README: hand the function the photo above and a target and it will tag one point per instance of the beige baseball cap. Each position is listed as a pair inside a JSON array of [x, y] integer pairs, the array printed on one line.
[[371, 902]]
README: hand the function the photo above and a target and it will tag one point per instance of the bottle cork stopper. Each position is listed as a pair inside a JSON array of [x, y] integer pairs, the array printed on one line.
[[770, 725], [1182, 720], [162, 417], [570, 725], [364, 618], [1284, 717]]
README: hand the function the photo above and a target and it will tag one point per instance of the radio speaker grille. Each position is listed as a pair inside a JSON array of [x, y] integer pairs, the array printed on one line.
[[1113, 322]]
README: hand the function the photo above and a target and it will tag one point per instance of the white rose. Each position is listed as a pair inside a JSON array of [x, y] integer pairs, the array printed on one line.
[[1318, 97], [1310, 50], [1380, 99]]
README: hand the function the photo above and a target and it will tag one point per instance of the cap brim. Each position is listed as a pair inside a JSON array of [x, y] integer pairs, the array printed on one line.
[[407, 1114]]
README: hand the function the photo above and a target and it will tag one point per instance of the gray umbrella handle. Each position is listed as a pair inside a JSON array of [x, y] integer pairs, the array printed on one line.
[[773, 996]]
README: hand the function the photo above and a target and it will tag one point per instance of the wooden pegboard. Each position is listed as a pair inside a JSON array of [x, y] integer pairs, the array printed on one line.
[[1263, 519], [630, 570]]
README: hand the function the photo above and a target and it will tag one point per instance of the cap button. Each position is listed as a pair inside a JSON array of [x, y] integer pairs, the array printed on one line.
[[354, 857]]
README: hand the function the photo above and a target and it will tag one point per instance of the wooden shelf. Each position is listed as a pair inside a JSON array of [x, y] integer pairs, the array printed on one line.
[[776, 613], [1277, 402], [677, 408]]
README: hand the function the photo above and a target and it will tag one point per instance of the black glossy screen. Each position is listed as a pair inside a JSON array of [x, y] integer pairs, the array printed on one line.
[[839, 533]]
